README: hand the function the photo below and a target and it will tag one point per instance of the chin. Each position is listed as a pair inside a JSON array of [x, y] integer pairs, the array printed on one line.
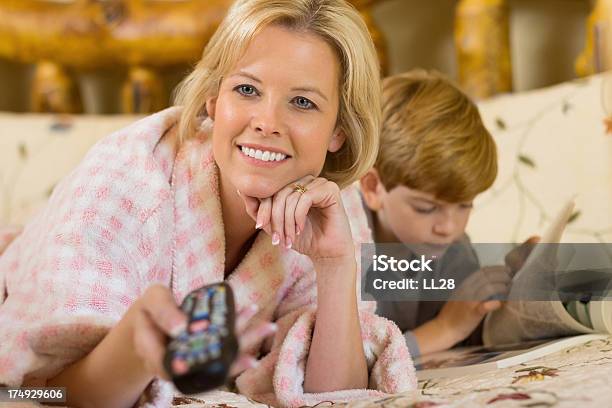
[[429, 250], [258, 189]]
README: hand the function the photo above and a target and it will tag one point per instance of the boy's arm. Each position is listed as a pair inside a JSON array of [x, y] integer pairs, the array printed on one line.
[[454, 323], [430, 337]]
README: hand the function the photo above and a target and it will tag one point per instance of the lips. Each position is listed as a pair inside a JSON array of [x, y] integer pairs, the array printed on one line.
[[264, 148], [260, 162], [265, 155]]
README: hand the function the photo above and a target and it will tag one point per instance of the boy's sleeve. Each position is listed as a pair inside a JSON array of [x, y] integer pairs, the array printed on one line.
[[412, 344], [279, 378]]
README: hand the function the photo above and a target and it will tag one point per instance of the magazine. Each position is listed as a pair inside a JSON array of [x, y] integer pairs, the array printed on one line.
[[513, 334], [520, 320], [472, 360]]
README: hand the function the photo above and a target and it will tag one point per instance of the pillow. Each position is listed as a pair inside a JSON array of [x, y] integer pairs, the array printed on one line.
[[39, 150], [552, 144]]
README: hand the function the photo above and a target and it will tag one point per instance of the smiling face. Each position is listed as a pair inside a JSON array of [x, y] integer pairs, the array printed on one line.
[[276, 111]]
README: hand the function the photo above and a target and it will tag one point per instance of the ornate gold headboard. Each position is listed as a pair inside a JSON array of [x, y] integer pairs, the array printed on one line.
[[482, 41], [146, 36]]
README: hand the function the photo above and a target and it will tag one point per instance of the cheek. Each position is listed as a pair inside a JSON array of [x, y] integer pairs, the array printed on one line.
[[413, 228], [312, 142], [228, 116], [463, 220]]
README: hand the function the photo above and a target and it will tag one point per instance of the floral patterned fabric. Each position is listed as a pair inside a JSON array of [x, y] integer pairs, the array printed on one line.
[[580, 376], [553, 144]]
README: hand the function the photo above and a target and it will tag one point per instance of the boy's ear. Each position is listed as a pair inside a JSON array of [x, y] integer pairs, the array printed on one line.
[[337, 140], [372, 189], [211, 105]]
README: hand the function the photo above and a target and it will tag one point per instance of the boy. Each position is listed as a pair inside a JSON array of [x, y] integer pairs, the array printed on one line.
[[435, 157]]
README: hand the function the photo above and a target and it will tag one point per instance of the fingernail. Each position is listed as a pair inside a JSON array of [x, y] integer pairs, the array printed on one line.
[[288, 243], [258, 225], [273, 327], [275, 239], [253, 363], [178, 328]]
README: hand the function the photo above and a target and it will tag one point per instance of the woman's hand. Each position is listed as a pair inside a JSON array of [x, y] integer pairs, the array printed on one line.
[[311, 220], [156, 317]]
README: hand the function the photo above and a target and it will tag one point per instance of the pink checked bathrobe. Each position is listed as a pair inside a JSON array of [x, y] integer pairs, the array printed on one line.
[[134, 213]]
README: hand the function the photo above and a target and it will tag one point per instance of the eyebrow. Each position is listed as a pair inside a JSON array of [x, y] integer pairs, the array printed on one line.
[[246, 74], [301, 88], [424, 200], [310, 89]]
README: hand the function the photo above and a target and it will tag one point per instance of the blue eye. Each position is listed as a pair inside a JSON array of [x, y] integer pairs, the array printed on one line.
[[246, 90], [303, 103]]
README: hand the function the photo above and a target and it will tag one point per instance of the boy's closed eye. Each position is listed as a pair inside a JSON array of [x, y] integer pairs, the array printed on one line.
[[424, 210], [429, 209], [422, 205]]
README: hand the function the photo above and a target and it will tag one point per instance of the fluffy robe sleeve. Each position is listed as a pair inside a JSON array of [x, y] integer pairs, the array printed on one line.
[[278, 379], [77, 267]]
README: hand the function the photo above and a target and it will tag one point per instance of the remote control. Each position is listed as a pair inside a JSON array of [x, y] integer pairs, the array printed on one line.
[[200, 357]]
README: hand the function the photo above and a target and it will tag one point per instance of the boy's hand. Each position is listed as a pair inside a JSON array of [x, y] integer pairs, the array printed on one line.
[[472, 301], [487, 283], [517, 257], [308, 216], [155, 317], [458, 319]]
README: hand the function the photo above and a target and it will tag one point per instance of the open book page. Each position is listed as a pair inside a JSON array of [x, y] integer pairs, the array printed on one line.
[[472, 360], [528, 320], [521, 320], [600, 314]]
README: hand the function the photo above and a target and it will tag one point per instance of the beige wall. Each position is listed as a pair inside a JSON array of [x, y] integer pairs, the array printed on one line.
[[546, 37]]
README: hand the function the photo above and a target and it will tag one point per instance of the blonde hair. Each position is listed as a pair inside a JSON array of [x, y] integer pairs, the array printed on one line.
[[433, 139], [336, 22]]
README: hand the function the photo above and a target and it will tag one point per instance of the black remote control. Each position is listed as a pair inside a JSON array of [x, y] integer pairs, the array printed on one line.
[[200, 357]]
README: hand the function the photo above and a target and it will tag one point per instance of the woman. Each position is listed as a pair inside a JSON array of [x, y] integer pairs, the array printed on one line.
[[281, 112]]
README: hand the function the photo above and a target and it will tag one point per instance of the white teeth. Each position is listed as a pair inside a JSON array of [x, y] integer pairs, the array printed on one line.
[[263, 155]]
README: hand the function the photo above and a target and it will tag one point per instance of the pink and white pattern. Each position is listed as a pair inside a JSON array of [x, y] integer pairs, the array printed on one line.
[[116, 225]]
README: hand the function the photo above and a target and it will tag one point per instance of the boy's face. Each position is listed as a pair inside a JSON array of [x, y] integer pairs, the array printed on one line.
[[414, 217], [281, 99]]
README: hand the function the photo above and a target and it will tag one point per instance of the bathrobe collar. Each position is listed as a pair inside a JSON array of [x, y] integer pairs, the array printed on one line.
[[199, 256]]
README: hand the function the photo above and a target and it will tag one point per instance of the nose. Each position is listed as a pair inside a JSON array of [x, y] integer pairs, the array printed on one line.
[[267, 119], [444, 225]]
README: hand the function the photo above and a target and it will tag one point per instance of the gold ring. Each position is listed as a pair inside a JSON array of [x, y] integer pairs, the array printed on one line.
[[299, 188]]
